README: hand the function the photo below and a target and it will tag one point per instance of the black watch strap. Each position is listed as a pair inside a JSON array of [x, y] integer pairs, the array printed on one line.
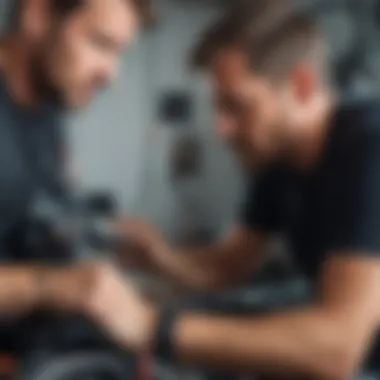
[[164, 347]]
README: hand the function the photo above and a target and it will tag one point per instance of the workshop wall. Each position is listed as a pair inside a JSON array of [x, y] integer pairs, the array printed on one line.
[[119, 143], [216, 187], [108, 139]]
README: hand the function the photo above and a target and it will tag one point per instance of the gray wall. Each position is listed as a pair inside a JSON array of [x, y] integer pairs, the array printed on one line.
[[215, 187], [119, 144], [108, 140]]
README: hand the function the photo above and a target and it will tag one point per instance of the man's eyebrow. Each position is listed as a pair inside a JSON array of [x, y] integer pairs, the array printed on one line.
[[107, 39]]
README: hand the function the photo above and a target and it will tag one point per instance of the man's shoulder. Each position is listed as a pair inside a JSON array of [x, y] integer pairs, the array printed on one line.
[[356, 124], [270, 179], [354, 148]]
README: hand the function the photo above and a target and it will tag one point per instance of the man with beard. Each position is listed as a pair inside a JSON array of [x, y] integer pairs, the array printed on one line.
[[56, 56], [317, 182]]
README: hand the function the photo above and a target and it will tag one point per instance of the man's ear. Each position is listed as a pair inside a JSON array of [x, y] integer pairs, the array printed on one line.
[[34, 18], [304, 82]]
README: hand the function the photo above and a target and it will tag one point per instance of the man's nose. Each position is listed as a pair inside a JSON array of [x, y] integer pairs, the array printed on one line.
[[108, 72], [224, 127]]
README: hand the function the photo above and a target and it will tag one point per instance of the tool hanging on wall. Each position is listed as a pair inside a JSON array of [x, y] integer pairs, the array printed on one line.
[[354, 65], [186, 157]]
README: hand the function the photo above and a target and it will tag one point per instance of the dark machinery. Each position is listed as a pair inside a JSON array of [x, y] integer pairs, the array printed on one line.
[[61, 231], [71, 348], [58, 348], [55, 348]]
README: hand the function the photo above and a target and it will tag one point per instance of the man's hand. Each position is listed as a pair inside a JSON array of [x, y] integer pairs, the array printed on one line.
[[145, 245], [226, 262], [141, 232], [115, 305]]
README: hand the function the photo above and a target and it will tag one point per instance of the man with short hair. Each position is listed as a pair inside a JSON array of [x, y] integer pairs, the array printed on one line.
[[56, 56], [316, 182]]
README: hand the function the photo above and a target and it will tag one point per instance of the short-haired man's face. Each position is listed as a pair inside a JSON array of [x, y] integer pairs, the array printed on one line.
[[78, 56], [255, 117]]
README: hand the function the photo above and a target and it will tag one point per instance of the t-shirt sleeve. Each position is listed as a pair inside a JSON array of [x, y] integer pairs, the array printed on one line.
[[261, 208], [353, 209]]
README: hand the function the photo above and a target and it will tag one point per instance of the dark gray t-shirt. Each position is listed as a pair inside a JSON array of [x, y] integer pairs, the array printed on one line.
[[29, 161], [336, 207]]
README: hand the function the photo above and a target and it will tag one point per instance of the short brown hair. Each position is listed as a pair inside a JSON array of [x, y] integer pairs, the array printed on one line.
[[271, 32], [64, 8]]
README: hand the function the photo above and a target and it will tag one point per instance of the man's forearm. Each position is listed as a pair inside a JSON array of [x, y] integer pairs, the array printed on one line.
[[19, 289], [200, 268], [25, 288], [304, 343], [222, 264]]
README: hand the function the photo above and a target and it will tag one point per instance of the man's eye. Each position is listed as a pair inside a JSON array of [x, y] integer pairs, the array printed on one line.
[[235, 107], [101, 42], [229, 105]]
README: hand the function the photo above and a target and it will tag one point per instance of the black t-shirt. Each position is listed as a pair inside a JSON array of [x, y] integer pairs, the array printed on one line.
[[29, 162], [336, 207]]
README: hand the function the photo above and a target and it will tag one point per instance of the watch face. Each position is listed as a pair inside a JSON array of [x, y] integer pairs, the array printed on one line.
[[339, 30]]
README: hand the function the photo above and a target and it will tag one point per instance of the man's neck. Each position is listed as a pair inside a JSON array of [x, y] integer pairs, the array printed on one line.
[[312, 139], [15, 65]]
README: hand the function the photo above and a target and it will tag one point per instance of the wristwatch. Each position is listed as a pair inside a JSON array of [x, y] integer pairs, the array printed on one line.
[[164, 345]]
